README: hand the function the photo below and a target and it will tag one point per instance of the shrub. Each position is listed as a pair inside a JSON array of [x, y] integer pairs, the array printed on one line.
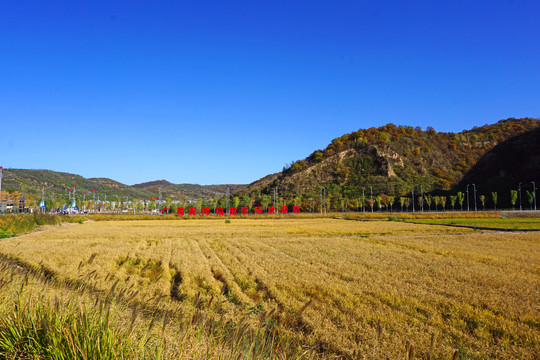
[[23, 223]]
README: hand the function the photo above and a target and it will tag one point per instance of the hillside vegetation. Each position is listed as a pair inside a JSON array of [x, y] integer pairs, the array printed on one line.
[[390, 159], [190, 191], [29, 183], [510, 162], [57, 184]]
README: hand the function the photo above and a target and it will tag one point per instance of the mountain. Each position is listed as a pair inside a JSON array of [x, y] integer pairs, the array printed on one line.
[[390, 159], [506, 165], [189, 191], [57, 184]]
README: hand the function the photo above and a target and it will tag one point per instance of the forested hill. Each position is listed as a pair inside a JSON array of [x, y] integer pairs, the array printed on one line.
[[390, 159], [29, 182], [507, 164], [190, 191]]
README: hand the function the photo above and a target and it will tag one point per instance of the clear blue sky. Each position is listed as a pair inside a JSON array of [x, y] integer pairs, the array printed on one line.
[[229, 91]]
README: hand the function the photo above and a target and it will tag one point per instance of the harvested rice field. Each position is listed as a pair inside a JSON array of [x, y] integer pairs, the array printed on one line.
[[335, 288]]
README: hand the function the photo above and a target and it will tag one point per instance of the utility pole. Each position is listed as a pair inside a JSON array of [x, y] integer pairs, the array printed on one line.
[[323, 200], [74, 199], [363, 202], [324, 193], [413, 199], [1, 176], [474, 193], [520, 208], [94, 201], [371, 203], [534, 194], [467, 197], [227, 204], [422, 197], [277, 200], [42, 198]]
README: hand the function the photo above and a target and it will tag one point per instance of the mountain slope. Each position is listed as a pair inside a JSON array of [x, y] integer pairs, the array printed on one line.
[[57, 184], [390, 159], [190, 191], [506, 165]]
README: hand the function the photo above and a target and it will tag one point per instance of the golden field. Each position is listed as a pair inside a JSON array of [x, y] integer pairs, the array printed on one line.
[[338, 288]]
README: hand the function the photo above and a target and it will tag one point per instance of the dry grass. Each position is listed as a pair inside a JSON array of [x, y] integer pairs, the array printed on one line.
[[373, 289], [45, 317]]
